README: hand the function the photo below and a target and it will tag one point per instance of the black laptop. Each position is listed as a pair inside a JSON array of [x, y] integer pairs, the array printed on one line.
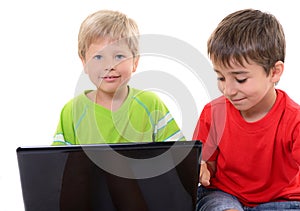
[[156, 176]]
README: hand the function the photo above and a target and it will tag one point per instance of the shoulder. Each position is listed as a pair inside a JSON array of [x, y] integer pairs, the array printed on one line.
[[290, 105], [79, 101], [289, 101], [145, 96], [216, 109], [147, 100], [216, 104]]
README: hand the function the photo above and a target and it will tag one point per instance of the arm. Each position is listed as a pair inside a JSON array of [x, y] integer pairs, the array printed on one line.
[[296, 144], [65, 134], [166, 127], [204, 132], [207, 170], [163, 124]]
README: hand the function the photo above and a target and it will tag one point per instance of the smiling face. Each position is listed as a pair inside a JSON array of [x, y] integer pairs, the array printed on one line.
[[109, 65], [249, 88]]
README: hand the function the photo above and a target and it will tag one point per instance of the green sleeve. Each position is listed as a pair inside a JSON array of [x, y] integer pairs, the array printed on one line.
[[65, 134], [166, 128]]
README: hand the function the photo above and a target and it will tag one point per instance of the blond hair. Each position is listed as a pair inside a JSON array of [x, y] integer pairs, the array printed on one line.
[[108, 24]]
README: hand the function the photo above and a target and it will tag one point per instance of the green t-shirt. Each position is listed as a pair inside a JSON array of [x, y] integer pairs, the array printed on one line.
[[143, 117]]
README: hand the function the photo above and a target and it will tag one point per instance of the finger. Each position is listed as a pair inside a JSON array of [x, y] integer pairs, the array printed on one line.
[[204, 179], [204, 176]]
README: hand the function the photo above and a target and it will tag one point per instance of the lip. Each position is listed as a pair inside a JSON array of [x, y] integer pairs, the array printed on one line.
[[110, 78], [237, 100]]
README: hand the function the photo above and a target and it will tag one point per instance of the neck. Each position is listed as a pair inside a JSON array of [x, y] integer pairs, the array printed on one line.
[[111, 101], [261, 109]]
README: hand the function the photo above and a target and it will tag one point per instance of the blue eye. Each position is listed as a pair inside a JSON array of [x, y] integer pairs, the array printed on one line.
[[120, 56], [97, 57]]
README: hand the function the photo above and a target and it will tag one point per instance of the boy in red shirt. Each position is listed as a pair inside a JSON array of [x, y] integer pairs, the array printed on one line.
[[251, 135]]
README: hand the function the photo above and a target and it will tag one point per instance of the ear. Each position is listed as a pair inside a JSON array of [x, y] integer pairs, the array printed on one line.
[[83, 64], [277, 71], [135, 63]]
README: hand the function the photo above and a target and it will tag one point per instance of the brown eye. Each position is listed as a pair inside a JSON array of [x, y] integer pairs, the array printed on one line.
[[241, 81]]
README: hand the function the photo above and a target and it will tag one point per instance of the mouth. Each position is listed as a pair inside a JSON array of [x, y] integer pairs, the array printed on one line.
[[237, 100], [111, 77]]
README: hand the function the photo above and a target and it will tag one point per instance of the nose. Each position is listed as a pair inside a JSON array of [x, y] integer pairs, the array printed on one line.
[[108, 65], [228, 88], [109, 68]]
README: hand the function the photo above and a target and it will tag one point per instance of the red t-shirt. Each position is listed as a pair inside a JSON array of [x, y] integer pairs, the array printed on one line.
[[257, 162]]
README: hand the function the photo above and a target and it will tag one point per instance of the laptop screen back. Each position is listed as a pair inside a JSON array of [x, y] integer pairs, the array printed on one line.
[[135, 177]]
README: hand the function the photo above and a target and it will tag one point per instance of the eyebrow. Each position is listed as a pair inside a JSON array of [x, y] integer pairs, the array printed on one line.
[[233, 72]]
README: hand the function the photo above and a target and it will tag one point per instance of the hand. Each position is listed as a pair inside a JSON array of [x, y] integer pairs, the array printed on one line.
[[204, 176]]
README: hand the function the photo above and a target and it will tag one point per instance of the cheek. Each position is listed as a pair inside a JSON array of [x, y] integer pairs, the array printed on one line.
[[125, 67], [91, 67], [255, 92], [220, 86], [257, 86]]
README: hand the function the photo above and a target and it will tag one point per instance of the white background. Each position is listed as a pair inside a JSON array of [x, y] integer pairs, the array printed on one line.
[[40, 66]]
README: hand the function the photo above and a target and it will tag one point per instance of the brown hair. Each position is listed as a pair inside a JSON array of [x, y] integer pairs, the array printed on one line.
[[247, 35]]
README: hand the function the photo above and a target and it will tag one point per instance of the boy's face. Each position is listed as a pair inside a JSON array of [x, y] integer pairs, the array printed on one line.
[[248, 88], [109, 65]]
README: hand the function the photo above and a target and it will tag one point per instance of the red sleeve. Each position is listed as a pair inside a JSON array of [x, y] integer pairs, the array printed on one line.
[[296, 144], [204, 133]]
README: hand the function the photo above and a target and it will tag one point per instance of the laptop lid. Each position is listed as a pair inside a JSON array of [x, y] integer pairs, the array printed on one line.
[[135, 176]]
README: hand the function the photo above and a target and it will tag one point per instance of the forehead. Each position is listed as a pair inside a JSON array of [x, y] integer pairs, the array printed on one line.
[[238, 69], [106, 44], [230, 67]]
